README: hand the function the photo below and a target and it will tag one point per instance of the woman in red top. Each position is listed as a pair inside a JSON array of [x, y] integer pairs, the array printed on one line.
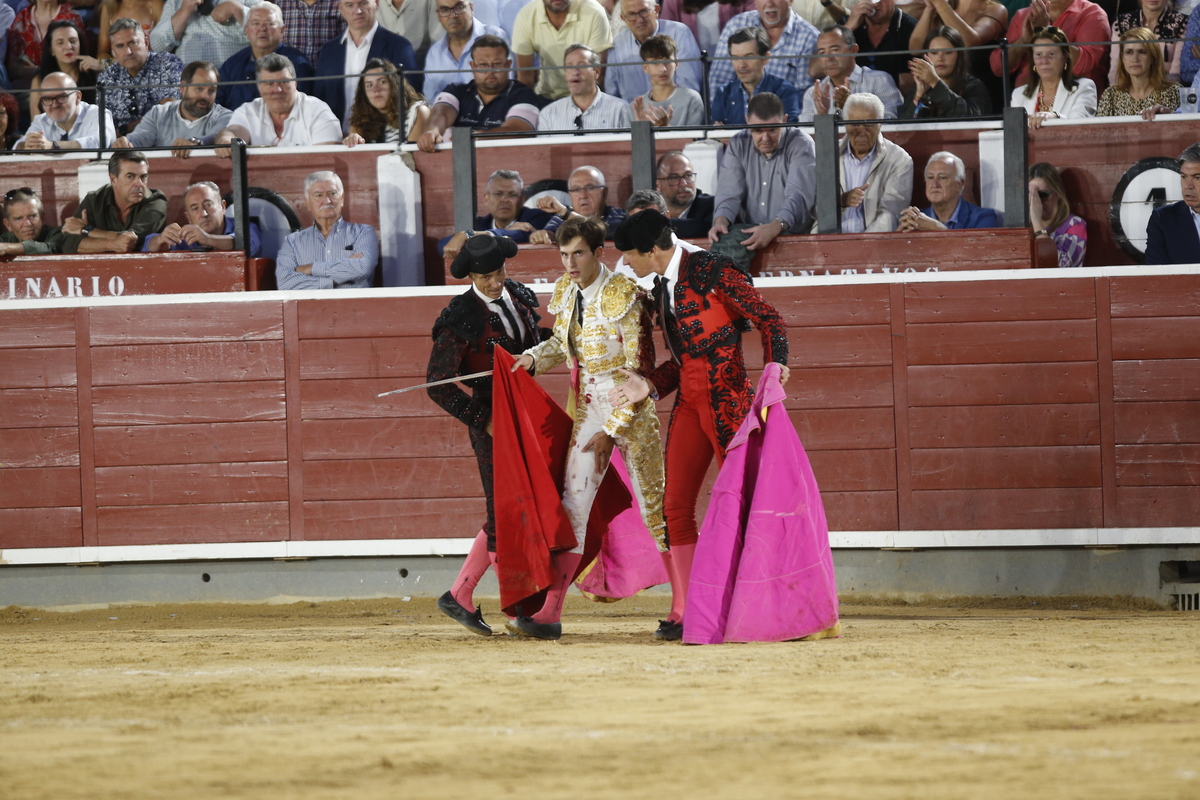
[[26, 34]]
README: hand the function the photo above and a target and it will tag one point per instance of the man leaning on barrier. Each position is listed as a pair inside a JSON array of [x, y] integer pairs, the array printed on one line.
[[589, 198], [331, 253], [68, 123], [141, 78], [191, 121], [207, 228], [282, 116], [25, 232], [117, 218], [454, 50], [265, 31], [507, 214]]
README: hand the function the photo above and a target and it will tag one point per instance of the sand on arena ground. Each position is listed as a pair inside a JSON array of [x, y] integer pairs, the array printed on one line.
[[388, 699]]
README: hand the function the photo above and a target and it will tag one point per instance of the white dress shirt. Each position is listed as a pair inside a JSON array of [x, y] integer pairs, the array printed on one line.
[[504, 300], [310, 122], [85, 130], [356, 62]]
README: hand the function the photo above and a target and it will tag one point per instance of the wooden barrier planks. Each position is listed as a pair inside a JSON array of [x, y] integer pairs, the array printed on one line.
[[112, 275]]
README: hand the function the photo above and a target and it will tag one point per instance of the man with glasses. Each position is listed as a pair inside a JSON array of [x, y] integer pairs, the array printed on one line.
[[748, 49], [117, 218], [642, 22], [25, 234], [282, 116], [790, 36], [68, 123], [691, 211], [507, 215], [193, 121], [454, 51], [489, 102], [141, 79], [585, 107], [589, 198], [265, 31], [546, 29]]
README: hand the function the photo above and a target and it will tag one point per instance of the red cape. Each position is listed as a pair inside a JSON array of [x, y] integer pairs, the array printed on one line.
[[532, 435]]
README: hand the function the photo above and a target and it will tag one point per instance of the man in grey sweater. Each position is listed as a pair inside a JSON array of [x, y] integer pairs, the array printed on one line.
[[183, 124]]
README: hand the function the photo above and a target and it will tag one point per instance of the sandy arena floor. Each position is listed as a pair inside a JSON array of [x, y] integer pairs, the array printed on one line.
[[387, 699]]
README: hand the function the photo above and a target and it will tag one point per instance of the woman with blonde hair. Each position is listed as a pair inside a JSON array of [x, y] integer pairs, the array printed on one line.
[[1051, 218], [1164, 22], [1141, 79], [1053, 91], [375, 115]]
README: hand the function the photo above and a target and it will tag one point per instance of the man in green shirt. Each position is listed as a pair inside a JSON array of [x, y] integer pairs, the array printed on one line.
[[116, 218], [24, 232]]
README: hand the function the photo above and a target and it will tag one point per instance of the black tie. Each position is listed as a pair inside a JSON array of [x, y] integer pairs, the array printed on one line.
[[579, 306], [512, 320], [666, 318]]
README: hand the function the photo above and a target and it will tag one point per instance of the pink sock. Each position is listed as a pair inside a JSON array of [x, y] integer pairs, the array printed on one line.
[[565, 565], [681, 573], [473, 570]]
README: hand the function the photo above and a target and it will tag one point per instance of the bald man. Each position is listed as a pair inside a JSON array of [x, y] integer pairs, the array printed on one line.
[[68, 122]]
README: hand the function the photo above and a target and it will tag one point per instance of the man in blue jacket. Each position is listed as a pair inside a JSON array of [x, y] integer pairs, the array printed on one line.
[[363, 40], [748, 48], [1173, 235], [945, 175]]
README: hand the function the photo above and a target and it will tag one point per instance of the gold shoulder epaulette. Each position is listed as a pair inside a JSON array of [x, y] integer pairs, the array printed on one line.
[[560, 290], [618, 296]]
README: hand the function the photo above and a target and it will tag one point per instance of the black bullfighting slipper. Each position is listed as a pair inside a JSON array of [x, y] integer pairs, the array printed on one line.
[[525, 626], [471, 620], [669, 631]]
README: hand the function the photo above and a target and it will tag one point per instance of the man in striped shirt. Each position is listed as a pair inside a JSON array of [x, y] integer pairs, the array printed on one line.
[[585, 107], [332, 253]]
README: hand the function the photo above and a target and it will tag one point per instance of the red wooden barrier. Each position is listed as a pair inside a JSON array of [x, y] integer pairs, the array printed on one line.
[[1024, 403], [112, 275]]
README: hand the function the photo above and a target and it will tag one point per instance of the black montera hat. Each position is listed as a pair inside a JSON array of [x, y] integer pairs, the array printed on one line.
[[640, 231], [482, 254]]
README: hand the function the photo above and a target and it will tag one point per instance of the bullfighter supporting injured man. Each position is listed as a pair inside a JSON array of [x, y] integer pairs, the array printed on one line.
[[705, 302], [602, 325], [494, 312]]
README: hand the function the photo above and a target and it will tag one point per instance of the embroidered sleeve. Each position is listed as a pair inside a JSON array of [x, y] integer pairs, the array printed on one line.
[[549, 354], [736, 291], [445, 361]]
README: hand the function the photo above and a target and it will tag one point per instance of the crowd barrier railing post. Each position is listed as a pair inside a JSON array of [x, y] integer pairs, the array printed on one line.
[[462, 148], [1016, 168], [240, 184], [641, 135], [829, 218]]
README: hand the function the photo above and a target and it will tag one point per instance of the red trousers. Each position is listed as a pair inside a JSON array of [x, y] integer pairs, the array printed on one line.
[[691, 444]]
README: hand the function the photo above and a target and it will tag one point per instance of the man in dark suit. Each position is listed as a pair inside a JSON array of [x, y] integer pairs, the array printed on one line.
[[1173, 235], [348, 54], [691, 210]]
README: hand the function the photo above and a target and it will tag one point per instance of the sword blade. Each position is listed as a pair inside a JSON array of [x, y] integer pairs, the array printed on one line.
[[455, 379]]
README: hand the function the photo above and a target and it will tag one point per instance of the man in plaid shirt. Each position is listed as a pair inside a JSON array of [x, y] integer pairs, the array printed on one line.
[[308, 24], [792, 39]]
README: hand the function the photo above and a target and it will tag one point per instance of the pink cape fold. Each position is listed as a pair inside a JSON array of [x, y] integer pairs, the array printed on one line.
[[763, 570]]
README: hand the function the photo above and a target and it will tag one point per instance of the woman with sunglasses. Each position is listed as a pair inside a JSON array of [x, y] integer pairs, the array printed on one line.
[[375, 115], [945, 86], [1141, 83], [1051, 218], [1053, 91], [62, 51]]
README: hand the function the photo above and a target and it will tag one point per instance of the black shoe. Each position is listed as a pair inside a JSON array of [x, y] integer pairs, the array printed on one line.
[[525, 626], [471, 620], [669, 631]]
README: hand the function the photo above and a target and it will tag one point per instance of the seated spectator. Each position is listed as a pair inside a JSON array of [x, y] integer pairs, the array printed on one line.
[[788, 36], [589, 196], [748, 48], [147, 12], [68, 123], [332, 253], [879, 173], [62, 51], [25, 37], [9, 115], [117, 218], [1054, 92], [415, 21], [1189, 60], [308, 24], [943, 85], [977, 23], [207, 226], [879, 27], [766, 184], [507, 215], [666, 104], [945, 176], [1051, 218], [375, 115], [193, 33], [193, 120], [706, 19], [1141, 79], [545, 29], [585, 108], [489, 102], [348, 54], [140, 79], [1078, 21], [1173, 235], [454, 51], [1164, 22], [843, 77], [25, 234], [690, 210], [264, 30], [642, 24], [282, 116], [640, 201]]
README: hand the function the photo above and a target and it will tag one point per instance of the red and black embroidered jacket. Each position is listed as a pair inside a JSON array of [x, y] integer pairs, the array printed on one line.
[[464, 338], [715, 302]]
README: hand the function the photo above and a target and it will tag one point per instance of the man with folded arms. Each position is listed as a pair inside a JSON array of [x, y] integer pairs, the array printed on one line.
[[117, 218]]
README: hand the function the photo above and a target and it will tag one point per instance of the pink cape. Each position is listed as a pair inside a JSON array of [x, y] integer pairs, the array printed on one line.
[[763, 570]]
